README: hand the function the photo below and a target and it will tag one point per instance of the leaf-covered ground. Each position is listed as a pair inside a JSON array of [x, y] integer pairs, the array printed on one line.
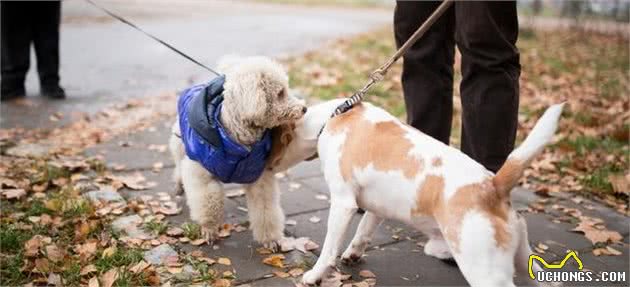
[[590, 152]]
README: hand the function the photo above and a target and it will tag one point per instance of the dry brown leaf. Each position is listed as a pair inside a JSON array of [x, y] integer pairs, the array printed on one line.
[[109, 278], [620, 183], [93, 282], [54, 253], [597, 233], [295, 272], [275, 260], [139, 267], [198, 242], [32, 246], [222, 283], [224, 261], [13, 193], [367, 274], [281, 274], [86, 250]]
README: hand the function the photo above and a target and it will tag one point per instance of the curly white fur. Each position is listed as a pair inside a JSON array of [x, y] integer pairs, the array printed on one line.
[[255, 99]]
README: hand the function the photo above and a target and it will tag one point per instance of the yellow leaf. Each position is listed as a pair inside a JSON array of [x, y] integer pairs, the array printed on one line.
[[275, 260], [224, 261]]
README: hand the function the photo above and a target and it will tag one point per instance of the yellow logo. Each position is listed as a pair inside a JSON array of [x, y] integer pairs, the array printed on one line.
[[552, 266]]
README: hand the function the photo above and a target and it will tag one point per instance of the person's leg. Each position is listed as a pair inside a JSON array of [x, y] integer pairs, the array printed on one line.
[[46, 38], [427, 76], [16, 41], [486, 34]]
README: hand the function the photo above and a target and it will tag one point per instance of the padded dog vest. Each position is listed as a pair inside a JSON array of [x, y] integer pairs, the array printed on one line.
[[207, 142]]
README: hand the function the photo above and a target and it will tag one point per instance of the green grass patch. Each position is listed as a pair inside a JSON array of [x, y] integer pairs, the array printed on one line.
[[156, 227], [584, 144], [121, 257], [12, 239], [192, 230], [597, 180]]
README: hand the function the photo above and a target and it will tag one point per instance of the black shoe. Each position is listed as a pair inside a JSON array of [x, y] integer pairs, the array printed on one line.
[[11, 94], [55, 92]]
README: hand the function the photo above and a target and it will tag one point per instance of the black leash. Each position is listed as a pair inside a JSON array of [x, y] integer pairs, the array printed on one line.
[[121, 19]]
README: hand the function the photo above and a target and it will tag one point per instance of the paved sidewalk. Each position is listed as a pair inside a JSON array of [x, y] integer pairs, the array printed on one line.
[[395, 256]]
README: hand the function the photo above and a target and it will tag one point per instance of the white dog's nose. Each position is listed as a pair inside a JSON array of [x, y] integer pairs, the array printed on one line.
[[304, 109]]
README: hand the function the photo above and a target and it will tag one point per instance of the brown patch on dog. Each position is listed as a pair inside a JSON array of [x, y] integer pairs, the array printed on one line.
[[281, 136], [507, 177], [429, 197], [480, 197], [437, 162], [381, 144]]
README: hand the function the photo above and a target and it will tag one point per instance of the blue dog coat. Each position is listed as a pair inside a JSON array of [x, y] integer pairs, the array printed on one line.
[[207, 142]]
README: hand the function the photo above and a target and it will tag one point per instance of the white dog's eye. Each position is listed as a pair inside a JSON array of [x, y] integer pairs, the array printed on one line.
[[281, 94]]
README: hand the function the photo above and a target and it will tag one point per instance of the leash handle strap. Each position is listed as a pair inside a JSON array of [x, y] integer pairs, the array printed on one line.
[[379, 73], [123, 20]]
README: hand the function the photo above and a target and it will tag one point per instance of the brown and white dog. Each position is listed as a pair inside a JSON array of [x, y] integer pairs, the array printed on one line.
[[373, 161]]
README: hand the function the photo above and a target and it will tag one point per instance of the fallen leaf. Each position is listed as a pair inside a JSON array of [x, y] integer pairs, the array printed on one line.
[[224, 261], [595, 232], [275, 260], [32, 246], [13, 193], [109, 251], [295, 272], [620, 183], [54, 279], [93, 282], [175, 231], [198, 242], [139, 267], [54, 253], [281, 274], [222, 283], [109, 278], [367, 274]]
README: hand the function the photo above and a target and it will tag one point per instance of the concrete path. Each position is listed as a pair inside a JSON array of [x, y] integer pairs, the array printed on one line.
[[104, 61], [396, 253]]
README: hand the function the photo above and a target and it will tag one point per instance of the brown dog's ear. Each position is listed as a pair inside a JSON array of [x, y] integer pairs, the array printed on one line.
[[281, 136]]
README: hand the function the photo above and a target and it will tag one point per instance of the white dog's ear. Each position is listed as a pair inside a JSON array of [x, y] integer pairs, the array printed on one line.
[[228, 62], [281, 137]]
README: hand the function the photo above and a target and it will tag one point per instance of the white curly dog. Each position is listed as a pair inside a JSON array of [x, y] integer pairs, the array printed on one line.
[[256, 99]]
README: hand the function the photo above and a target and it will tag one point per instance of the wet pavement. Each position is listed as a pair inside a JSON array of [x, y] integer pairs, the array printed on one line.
[[396, 254]]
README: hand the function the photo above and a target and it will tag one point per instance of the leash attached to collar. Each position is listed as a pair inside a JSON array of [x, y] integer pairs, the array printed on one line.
[[132, 25], [379, 73]]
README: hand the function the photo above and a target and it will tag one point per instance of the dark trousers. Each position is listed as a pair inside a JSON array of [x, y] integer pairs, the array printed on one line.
[[23, 23], [485, 33]]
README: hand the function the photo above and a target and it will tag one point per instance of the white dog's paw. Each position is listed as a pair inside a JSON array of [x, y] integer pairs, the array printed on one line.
[[209, 234], [311, 278], [274, 246], [437, 248], [270, 237], [351, 256]]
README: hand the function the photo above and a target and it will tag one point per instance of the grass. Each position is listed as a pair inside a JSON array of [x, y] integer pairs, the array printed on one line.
[[192, 230], [123, 256], [156, 227]]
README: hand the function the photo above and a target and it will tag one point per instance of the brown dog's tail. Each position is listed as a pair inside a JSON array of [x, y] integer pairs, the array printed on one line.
[[507, 177]]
